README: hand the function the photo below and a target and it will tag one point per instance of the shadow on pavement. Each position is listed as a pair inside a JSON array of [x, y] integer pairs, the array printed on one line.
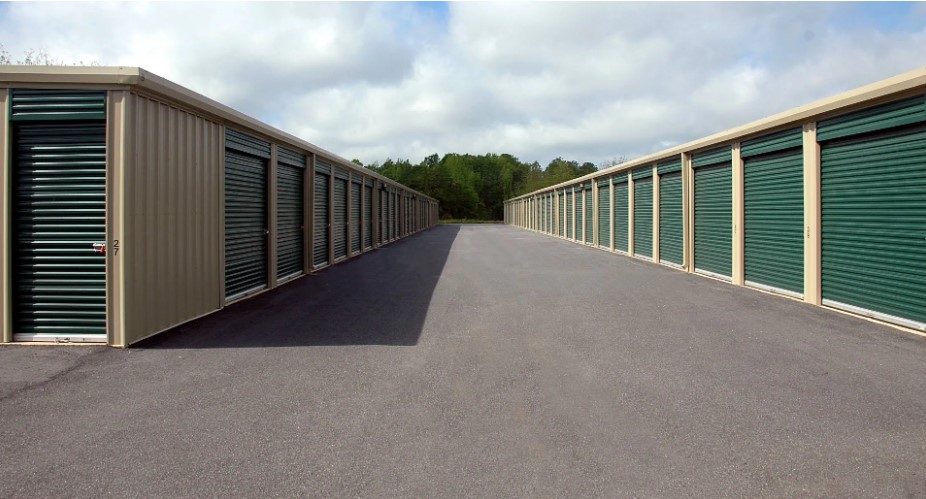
[[380, 298]]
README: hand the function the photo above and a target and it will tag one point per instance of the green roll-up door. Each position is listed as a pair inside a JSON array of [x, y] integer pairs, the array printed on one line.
[[57, 105], [713, 205], [290, 213], [643, 217], [873, 191], [604, 214], [356, 202], [562, 213], [621, 214], [773, 178], [548, 221], [339, 227], [589, 215], [671, 225], [58, 214], [393, 222], [368, 216], [382, 216], [580, 213], [322, 225], [245, 223], [569, 214]]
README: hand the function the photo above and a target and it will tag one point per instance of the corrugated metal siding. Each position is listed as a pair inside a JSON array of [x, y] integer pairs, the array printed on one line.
[[774, 220], [569, 213], [291, 158], [59, 202], [580, 213], [604, 215], [383, 216], [895, 114], [643, 216], [322, 165], [621, 213], [355, 202], [562, 213], [713, 235], [246, 144], [589, 215], [245, 223], [290, 220], [873, 192], [339, 227], [671, 225], [673, 165], [368, 216], [712, 157], [321, 223], [172, 235], [642, 173], [548, 214], [393, 220], [780, 141], [55, 105]]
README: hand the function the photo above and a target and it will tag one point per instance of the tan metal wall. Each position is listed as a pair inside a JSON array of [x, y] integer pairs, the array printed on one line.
[[173, 233]]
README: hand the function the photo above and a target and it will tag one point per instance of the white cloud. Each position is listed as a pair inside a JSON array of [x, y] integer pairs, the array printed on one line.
[[587, 81]]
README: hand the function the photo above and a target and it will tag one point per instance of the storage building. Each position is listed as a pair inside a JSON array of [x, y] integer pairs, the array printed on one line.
[[132, 205], [825, 203]]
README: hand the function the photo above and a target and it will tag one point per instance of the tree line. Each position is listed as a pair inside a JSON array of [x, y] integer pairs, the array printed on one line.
[[475, 187]]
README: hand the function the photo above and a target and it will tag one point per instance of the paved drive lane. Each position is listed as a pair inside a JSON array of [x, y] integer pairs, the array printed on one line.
[[479, 361]]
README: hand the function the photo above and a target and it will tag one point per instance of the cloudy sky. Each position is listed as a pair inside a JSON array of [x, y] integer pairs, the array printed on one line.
[[586, 81]]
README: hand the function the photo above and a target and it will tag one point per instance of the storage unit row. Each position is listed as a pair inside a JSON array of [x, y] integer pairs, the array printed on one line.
[[826, 203], [132, 205]]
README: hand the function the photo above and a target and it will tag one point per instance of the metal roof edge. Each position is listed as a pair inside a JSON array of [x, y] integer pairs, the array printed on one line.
[[103, 75], [138, 77], [895, 84], [162, 86]]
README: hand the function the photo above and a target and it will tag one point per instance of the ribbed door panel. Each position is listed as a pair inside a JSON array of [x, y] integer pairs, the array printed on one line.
[[290, 220], [621, 213], [58, 213], [569, 214], [774, 220], [713, 235], [340, 218], [604, 216], [643, 217], [393, 222], [548, 221], [368, 216], [562, 213], [874, 223], [671, 225], [355, 202], [580, 214], [589, 217], [245, 223], [321, 223]]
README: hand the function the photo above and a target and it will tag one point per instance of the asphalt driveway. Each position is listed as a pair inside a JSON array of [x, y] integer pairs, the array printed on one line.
[[478, 361]]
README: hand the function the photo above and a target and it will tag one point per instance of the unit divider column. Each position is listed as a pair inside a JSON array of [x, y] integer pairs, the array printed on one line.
[[739, 233], [611, 215], [812, 229], [688, 213], [595, 212], [6, 311], [630, 214], [656, 241]]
